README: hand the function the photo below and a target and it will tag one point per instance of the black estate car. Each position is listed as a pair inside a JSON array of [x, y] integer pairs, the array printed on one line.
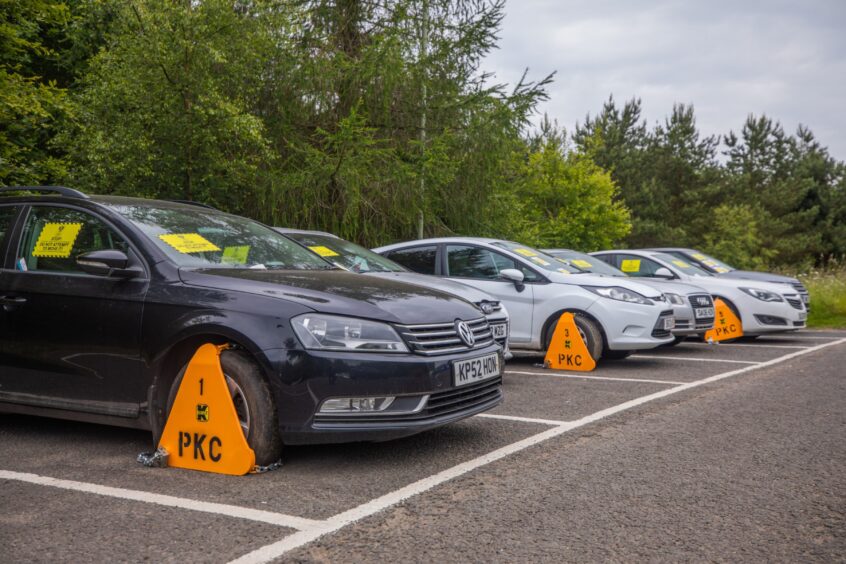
[[104, 300]]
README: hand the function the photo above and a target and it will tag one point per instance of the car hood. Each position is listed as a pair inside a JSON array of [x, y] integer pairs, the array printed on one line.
[[603, 280], [757, 275], [456, 288], [714, 283], [341, 293], [673, 287]]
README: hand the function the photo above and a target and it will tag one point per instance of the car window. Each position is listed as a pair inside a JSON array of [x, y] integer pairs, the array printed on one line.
[[54, 236], [417, 259], [7, 215], [634, 265], [586, 262], [465, 261], [683, 265], [345, 254]]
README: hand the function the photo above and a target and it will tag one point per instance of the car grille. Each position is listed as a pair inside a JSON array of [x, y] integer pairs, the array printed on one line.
[[454, 401], [682, 324], [800, 287], [796, 303], [442, 338], [659, 332]]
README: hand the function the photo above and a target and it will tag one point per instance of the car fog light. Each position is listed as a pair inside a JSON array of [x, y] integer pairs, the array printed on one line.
[[355, 405]]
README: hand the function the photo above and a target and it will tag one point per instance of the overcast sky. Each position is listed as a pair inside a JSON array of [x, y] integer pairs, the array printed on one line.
[[727, 58]]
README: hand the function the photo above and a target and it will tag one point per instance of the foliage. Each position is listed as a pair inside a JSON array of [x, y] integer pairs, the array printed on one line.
[[827, 287]]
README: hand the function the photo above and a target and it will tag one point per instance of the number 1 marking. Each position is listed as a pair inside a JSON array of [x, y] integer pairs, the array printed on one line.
[[201, 386]]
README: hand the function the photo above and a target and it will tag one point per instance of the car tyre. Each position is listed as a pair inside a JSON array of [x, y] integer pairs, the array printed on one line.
[[253, 403], [588, 329]]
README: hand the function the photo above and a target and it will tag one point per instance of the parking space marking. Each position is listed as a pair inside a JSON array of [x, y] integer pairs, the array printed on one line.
[[610, 378], [655, 356], [269, 517], [341, 520], [522, 419], [757, 345]]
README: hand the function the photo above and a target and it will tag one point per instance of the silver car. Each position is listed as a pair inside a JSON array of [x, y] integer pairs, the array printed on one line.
[[693, 307], [355, 258]]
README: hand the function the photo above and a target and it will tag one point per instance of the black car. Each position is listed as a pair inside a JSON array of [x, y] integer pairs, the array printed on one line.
[[104, 300]]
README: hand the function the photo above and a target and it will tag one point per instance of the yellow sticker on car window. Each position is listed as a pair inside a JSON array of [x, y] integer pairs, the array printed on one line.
[[324, 251], [563, 271], [540, 261], [189, 242], [681, 264], [630, 265], [56, 240], [721, 270], [235, 255], [525, 252], [581, 263], [699, 256]]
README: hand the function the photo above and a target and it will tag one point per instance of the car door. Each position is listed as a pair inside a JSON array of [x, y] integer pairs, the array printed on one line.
[[480, 267], [70, 340]]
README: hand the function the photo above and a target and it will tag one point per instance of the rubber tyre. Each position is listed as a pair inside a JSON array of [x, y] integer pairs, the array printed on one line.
[[263, 435], [591, 334]]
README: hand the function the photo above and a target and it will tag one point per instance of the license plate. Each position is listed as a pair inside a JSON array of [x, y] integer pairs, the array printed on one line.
[[669, 323], [703, 312], [803, 316], [499, 331], [475, 369]]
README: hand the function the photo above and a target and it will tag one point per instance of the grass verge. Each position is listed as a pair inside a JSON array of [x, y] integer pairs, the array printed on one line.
[[828, 297]]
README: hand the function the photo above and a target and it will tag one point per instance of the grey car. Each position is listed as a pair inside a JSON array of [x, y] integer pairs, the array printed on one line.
[[693, 307]]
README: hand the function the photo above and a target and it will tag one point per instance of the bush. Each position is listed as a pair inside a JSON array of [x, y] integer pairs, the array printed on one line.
[[827, 287]]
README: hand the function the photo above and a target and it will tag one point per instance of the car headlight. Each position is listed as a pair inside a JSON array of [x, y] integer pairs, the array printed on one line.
[[763, 295], [618, 293], [674, 298], [336, 333]]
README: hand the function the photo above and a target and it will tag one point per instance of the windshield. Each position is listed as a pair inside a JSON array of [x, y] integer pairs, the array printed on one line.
[[199, 237], [539, 258], [682, 265], [710, 263], [346, 254], [586, 262]]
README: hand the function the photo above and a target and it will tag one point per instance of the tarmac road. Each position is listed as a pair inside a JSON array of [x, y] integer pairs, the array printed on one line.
[[696, 452]]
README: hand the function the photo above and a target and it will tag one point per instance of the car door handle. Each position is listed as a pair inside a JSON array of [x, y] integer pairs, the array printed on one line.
[[12, 300]]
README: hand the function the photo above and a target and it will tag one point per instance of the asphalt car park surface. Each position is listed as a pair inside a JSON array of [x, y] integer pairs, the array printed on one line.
[[717, 452]]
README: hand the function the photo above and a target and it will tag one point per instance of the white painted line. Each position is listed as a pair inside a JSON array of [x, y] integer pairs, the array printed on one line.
[[756, 345], [789, 337], [521, 419], [609, 378], [341, 520], [167, 500], [655, 356]]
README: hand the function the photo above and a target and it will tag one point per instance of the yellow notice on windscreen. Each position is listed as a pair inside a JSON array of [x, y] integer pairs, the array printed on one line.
[[189, 242], [630, 265], [235, 255], [56, 240], [525, 252], [540, 261], [681, 264], [699, 256], [324, 251], [581, 263]]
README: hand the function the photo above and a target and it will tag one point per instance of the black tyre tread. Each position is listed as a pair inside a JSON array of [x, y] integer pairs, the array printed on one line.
[[264, 428]]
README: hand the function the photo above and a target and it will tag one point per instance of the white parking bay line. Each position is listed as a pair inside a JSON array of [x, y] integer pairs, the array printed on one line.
[[581, 377], [659, 357], [341, 520], [521, 419], [269, 517], [756, 345]]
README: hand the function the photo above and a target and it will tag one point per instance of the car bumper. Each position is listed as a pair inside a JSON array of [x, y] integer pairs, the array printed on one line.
[[302, 380], [630, 326], [687, 324], [771, 317]]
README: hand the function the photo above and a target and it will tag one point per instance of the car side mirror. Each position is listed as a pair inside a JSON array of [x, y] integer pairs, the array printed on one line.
[[665, 273], [107, 262], [513, 275]]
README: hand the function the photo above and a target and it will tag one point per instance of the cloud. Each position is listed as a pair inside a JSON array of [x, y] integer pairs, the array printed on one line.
[[729, 59]]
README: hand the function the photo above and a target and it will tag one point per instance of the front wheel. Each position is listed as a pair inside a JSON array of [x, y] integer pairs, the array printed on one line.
[[588, 330], [253, 403]]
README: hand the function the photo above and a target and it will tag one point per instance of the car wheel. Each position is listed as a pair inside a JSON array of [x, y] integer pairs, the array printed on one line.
[[253, 403], [589, 331]]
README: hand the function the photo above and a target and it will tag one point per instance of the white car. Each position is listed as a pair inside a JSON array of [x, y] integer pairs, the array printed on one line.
[[693, 307], [615, 316], [355, 258], [763, 307]]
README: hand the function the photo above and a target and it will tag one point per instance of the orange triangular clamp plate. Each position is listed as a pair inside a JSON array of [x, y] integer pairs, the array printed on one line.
[[567, 350]]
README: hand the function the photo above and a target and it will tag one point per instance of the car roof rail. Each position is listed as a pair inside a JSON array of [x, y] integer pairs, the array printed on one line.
[[193, 203], [61, 190]]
